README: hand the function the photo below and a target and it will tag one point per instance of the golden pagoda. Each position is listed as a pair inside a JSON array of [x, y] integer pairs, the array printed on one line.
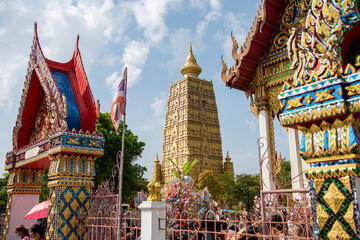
[[192, 129]]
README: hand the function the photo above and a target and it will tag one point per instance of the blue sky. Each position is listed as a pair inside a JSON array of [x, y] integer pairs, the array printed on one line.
[[151, 38]]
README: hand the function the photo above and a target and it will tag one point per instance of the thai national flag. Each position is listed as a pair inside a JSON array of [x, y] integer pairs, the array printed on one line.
[[118, 106]]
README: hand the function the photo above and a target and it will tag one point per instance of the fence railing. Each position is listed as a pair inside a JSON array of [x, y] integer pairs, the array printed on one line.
[[278, 214], [100, 227]]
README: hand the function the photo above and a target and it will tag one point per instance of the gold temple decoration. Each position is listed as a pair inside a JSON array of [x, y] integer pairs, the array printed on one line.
[[191, 129], [191, 67], [154, 191], [156, 174], [45, 121], [228, 165], [314, 47]]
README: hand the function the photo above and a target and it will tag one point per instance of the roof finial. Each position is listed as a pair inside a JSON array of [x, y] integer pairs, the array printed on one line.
[[227, 157], [191, 68]]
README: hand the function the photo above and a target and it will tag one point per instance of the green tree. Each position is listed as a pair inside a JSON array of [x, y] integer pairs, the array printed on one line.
[[227, 183], [284, 178], [207, 179], [133, 180], [247, 186], [3, 191], [44, 187]]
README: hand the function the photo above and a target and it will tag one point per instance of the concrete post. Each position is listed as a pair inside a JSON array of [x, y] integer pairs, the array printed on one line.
[[295, 159], [265, 152], [151, 212]]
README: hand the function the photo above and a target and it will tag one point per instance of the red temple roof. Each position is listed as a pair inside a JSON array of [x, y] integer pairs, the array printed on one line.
[[256, 43], [65, 90]]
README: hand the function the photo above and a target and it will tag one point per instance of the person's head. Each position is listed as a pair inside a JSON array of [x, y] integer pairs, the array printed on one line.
[[298, 230], [21, 231], [37, 232], [276, 224]]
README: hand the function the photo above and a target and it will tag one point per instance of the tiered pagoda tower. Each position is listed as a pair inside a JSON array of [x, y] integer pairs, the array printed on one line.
[[192, 129]]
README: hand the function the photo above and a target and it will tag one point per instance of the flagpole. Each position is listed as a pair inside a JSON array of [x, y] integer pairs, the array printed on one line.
[[121, 164]]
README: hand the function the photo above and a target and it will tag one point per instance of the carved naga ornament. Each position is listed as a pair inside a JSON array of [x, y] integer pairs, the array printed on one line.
[[315, 48]]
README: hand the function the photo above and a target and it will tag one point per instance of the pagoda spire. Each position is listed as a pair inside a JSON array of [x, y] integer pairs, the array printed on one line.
[[227, 157], [229, 166], [191, 68], [156, 175]]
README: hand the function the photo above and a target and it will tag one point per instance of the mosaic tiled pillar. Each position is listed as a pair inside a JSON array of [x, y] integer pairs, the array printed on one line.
[[327, 114], [334, 172], [71, 178], [24, 188]]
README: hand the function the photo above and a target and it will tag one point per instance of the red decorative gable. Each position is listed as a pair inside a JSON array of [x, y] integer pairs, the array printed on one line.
[[80, 88], [256, 43], [44, 110]]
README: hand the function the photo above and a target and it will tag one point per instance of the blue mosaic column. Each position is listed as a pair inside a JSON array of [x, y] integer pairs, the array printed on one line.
[[71, 181], [327, 114], [71, 174]]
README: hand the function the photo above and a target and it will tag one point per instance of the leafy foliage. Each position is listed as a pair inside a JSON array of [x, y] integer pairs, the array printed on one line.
[[44, 187], [228, 186], [179, 193], [133, 180], [3, 191], [284, 177], [207, 179], [186, 168], [247, 186]]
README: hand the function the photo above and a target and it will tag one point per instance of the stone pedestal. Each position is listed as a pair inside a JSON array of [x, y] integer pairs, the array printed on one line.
[[151, 212], [23, 194], [21, 205]]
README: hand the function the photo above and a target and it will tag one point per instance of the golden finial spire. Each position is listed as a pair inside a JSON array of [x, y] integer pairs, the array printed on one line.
[[227, 157], [157, 159], [191, 68]]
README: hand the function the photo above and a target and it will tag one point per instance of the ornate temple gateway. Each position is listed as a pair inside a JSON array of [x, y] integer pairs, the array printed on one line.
[[261, 69], [301, 62], [54, 130], [191, 129]]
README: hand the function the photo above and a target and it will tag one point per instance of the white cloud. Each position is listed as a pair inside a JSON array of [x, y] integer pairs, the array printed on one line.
[[113, 80], [239, 25], [150, 16], [200, 4], [99, 24], [158, 108], [251, 123], [101, 16], [11, 68], [134, 57], [214, 14], [179, 46]]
